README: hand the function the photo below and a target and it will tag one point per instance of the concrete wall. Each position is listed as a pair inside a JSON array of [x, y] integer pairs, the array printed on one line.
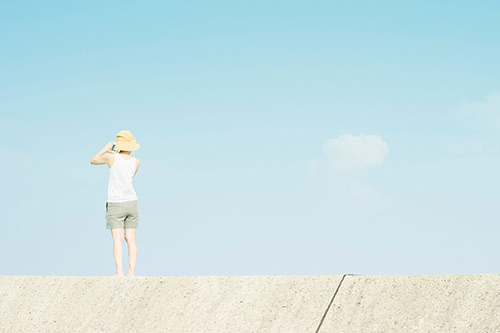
[[438, 303], [164, 304], [458, 303]]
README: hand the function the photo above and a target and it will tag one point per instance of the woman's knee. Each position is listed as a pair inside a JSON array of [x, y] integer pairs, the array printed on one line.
[[129, 237]]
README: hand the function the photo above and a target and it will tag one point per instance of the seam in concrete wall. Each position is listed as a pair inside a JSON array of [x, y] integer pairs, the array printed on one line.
[[331, 301]]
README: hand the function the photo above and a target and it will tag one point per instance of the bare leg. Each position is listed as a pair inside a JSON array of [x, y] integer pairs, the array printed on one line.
[[132, 250], [118, 250]]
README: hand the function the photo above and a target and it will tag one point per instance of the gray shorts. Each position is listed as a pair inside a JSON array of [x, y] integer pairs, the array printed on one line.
[[122, 214]]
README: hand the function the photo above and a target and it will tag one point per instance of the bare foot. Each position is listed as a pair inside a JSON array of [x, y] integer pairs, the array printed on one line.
[[118, 274], [129, 273]]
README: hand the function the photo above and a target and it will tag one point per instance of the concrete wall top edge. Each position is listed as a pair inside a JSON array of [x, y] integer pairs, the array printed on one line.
[[258, 276]]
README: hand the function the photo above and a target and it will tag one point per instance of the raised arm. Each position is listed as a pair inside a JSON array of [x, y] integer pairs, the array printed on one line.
[[101, 157], [136, 166]]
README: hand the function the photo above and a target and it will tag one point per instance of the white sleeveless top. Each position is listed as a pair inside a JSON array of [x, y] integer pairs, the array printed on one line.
[[121, 174]]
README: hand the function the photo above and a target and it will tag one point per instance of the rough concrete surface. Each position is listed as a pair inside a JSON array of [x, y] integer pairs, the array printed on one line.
[[164, 304], [435, 303]]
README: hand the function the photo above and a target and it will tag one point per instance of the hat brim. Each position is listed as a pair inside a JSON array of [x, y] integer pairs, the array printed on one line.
[[127, 146]]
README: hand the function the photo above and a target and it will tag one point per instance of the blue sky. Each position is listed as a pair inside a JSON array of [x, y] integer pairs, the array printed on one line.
[[277, 138]]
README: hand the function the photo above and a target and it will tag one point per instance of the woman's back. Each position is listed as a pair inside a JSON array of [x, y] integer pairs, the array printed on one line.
[[121, 174]]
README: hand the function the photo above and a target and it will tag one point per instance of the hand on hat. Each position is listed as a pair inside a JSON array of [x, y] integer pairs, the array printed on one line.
[[109, 146]]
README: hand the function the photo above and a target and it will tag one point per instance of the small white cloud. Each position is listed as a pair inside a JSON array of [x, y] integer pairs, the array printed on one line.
[[353, 152], [482, 114], [343, 165]]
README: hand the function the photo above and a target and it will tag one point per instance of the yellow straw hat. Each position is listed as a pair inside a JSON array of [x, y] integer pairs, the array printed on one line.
[[126, 141]]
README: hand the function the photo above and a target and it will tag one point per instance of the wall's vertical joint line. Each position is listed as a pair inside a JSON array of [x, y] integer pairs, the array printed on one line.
[[331, 302]]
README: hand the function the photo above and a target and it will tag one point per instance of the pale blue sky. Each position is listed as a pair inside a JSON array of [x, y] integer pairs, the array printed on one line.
[[262, 128]]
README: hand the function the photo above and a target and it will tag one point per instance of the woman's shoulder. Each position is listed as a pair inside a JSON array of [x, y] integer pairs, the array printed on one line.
[[111, 160]]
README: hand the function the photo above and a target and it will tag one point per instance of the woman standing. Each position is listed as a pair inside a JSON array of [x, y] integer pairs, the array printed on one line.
[[121, 207]]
